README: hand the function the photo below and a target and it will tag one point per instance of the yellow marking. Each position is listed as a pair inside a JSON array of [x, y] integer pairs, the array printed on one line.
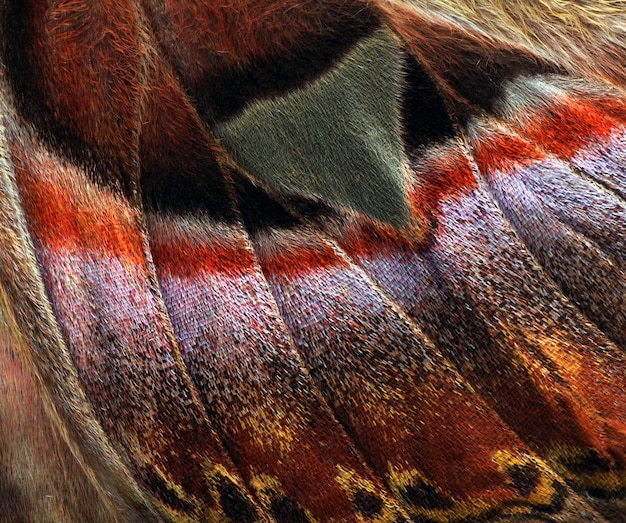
[[351, 482], [543, 493], [266, 487], [607, 481], [388, 403], [567, 358], [276, 431]]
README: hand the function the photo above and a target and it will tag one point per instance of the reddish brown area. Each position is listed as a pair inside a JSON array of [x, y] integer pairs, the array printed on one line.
[[445, 431], [88, 58], [506, 377], [183, 451], [498, 151], [369, 238], [239, 31], [307, 471], [510, 381], [439, 176], [290, 260], [611, 106], [602, 386], [413, 416], [568, 125], [257, 436], [64, 212], [172, 137], [186, 257]]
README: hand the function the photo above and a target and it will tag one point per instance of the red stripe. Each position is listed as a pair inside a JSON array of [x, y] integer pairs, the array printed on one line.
[[440, 174], [567, 126], [215, 257], [298, 260], [66, 214], [499, 151]]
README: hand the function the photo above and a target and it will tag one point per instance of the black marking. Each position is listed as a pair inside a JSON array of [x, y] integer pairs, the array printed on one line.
[[423, 495], [589, 463], [422, 519], [159, 488], [425, 117], [260, 211], [183, 188], [14, 505], [600, 493], [367, 503], [221, 96], [479, 76], [286, 510], [525, 478], [234, 503]]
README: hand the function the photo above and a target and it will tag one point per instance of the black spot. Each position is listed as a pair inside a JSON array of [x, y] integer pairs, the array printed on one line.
[[14, 505], [367, 503], [600, 493], [286, 510], [234, 503], [424, 495], [524, 478], [260, 211], [425, 118], [589, 463], [422, 519], [479, 76], [157, 486], [309, 209]]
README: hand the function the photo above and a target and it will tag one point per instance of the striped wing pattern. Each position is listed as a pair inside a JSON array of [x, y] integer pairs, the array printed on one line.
[[312, 261]]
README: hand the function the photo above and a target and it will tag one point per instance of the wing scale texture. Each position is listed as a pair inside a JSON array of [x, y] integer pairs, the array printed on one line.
[[312, 261]]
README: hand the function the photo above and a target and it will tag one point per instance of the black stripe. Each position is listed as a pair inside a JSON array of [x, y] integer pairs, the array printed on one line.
[[425, 117], [220, 96]]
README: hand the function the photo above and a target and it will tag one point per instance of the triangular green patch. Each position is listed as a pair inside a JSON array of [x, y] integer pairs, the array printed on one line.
[[337, 139]]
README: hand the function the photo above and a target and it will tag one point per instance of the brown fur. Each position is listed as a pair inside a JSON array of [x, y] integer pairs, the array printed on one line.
[[41, 481], [586, 38]]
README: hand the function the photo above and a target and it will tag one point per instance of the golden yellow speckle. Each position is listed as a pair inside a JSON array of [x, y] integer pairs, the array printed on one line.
[[351, 482], [605, 480], [544, 492], [267, 488]]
